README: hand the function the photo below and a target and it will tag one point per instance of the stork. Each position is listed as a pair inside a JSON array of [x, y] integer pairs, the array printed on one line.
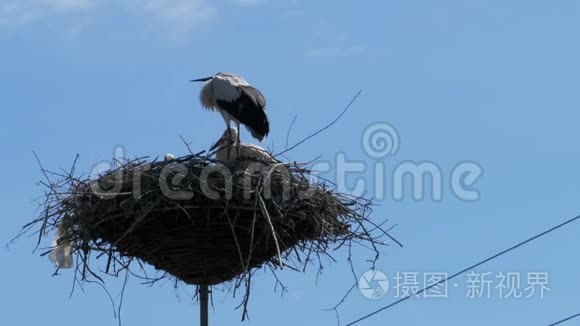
[[61, 253], [237, 101], [228, 149]]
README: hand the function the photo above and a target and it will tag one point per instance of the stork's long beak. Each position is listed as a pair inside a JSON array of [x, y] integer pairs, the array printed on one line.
[[216, 145], [201, 79], [225, 140]]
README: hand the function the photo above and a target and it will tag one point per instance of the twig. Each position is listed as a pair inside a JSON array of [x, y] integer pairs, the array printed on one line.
[[290, 130], [324, 128], [186, 144], [122, 295], [269, 220]]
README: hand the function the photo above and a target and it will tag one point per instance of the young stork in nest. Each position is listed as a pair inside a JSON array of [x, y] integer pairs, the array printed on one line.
[[229, 149], [237, 101]]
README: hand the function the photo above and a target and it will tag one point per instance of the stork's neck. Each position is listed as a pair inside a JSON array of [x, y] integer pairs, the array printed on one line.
[[207, 97]]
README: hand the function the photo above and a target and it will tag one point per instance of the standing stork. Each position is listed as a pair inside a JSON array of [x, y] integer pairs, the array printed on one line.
[[237, 101]]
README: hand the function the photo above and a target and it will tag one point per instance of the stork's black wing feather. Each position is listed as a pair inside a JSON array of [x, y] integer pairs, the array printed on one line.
[[249, 110], [256, 96]]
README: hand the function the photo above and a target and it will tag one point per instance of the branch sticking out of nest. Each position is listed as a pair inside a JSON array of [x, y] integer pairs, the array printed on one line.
[[201, 221]]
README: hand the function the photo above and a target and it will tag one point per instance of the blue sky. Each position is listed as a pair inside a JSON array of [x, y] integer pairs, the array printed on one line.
[[493, 82]]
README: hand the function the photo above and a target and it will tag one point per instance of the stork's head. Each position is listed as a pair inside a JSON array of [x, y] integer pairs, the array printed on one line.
[[206, 79], [228, 138]]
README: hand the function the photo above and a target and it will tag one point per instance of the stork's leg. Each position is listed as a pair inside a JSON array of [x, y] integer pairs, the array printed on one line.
[[239, 143], [229, 132]]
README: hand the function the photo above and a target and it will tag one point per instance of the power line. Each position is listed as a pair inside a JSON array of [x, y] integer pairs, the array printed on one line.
[[501, 253], [565, 320]]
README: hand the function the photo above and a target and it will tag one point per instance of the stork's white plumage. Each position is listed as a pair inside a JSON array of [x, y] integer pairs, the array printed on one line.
[[61, 254], [237, 101], [228, 149]]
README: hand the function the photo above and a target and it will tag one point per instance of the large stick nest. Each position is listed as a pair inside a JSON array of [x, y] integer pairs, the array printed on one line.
[[202, 221]]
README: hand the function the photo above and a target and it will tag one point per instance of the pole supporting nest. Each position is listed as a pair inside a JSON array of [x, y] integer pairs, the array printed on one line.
[[203, 308]]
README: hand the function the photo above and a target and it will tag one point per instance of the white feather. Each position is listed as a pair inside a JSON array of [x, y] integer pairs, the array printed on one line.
[[169, 157], [225, 89], [234, 80], [223, 86], [206, 96], [61, 254]]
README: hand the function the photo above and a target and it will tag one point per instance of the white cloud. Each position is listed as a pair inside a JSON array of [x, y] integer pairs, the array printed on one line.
[[185, 12], [249, 3], [71, 5], [20, 12], [337, 51], [175, 16], [178, 17]]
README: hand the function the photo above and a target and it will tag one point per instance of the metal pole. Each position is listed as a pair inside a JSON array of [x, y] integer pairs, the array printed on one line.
[[203, 308]]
